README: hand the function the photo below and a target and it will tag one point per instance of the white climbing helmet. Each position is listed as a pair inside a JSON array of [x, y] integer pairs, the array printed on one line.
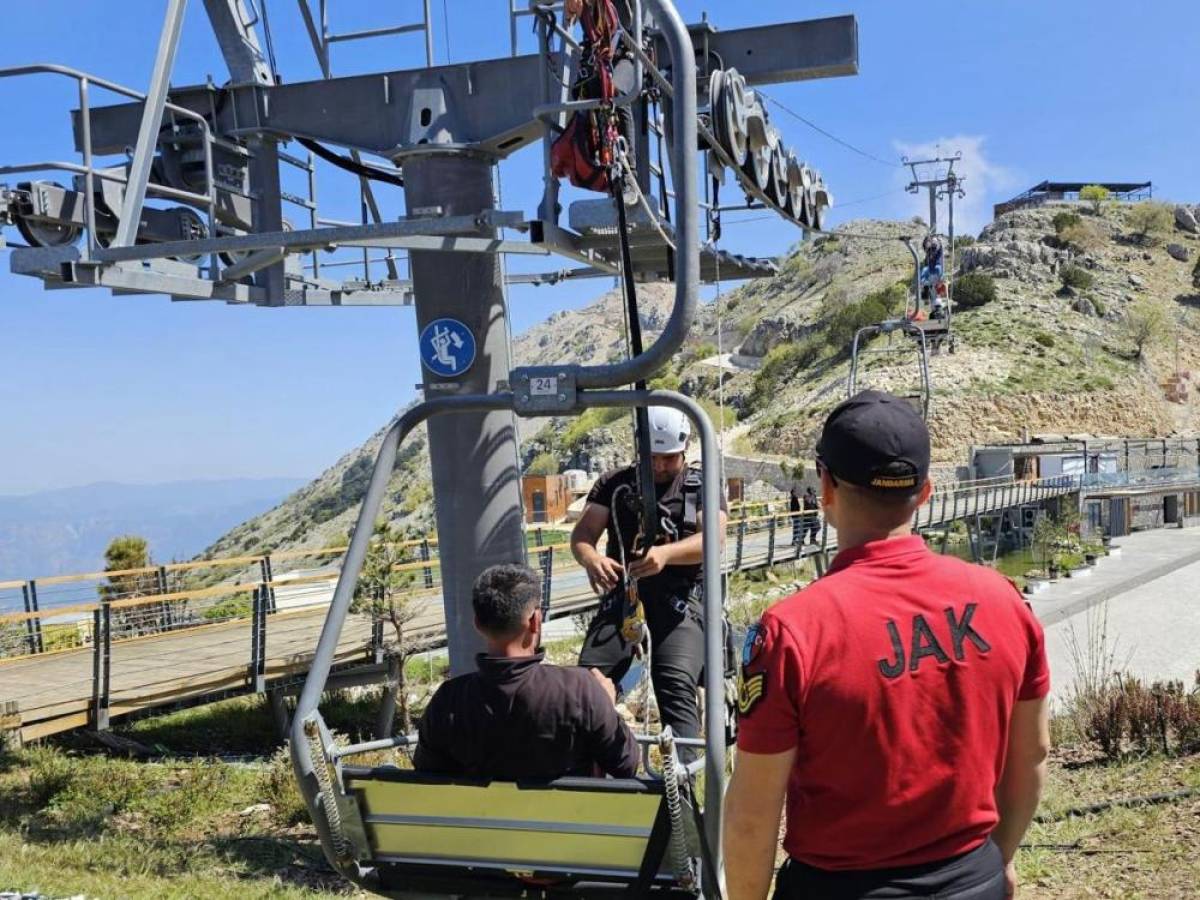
[[669, 430]]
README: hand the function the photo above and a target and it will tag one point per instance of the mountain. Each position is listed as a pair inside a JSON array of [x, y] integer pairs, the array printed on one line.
[[1035, 357], [62, 531], [1039, 358]]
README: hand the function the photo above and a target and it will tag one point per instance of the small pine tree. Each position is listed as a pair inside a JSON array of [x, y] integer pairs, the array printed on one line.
[[129, 551], [383, 592]]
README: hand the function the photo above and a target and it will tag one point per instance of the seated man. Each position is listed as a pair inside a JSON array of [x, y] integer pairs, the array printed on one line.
[[517, 717]]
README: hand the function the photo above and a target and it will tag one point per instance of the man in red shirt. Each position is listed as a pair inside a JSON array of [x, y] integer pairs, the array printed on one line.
[[899, 703]]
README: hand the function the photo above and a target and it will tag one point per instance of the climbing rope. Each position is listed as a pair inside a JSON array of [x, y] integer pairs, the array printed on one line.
[[627, 172]]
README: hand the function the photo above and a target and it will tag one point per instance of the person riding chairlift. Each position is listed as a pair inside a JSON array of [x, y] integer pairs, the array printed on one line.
[[931, 271]]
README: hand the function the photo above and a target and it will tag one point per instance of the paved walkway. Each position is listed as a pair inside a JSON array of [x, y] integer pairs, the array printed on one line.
[[1146, 604]]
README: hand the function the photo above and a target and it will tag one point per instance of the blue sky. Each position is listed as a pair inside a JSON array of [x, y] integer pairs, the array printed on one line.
[[96, 387]]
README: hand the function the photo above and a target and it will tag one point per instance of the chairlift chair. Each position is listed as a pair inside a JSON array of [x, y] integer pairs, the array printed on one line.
[[921, 399], [403, 834]]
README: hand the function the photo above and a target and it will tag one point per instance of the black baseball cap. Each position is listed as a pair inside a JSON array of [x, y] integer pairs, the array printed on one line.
[[876, 440]]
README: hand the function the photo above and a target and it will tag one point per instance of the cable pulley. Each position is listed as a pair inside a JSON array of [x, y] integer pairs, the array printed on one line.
[[755, 149]]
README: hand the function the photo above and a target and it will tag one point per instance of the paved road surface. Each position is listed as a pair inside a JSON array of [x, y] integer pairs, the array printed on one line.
[[1149, 598]]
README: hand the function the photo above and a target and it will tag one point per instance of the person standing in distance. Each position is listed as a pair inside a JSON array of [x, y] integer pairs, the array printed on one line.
[[668, 575], [797, 522], [812, 516], [898, 704]]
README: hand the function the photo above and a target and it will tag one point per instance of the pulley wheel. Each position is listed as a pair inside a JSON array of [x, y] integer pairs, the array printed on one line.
[[191, 228], [778, 189], [806, 185], [47, 234], [734, 112], [795, 189]]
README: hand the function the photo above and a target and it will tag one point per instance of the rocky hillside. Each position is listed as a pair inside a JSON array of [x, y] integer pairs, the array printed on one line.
[[1039, 357], [323, 512]]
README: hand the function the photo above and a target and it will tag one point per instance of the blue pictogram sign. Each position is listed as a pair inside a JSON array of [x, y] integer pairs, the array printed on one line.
[[447, 347]]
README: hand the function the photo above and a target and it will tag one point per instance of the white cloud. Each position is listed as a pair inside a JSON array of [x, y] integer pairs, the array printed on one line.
[[985, 181]]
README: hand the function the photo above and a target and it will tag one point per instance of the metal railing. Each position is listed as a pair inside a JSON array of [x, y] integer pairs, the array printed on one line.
[[88, 169], [53, 614], [133, 648]]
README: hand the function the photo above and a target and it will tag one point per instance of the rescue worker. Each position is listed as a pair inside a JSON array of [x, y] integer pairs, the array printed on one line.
[[624, 79], [517, 716], [812, 518], [668, 576], [898, 703]]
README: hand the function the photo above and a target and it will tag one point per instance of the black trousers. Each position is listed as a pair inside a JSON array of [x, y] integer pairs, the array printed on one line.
[[676, 625], [624, 81], [812, 525], [975, 875]]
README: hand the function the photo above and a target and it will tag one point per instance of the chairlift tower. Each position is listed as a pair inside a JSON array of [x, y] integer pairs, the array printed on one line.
[[938, 186], [216, 151]]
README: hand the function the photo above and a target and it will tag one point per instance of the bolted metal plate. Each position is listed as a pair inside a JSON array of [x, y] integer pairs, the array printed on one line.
[[544, 390]]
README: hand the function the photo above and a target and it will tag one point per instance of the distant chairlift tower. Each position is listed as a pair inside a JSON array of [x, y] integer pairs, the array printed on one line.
[[938, 178]]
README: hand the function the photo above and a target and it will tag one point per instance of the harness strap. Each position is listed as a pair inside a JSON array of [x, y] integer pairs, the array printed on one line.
[[692, 485]]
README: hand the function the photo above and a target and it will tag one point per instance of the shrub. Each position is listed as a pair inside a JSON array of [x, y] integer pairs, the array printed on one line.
[[1075, 277], [780, 365], [587, 423], [543, 464], [963, 240], [1098, 305], [1145, 322], [973, 290], [1124, 714], [1094, 194], [1064, 220], [870, 310], [1045, 339], [704, 351], [1149, 221], [1196, 275], [1083, 237]]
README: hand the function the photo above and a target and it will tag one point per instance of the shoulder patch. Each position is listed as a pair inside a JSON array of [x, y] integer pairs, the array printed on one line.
[[752, 686], [751, 690], [752, 647]]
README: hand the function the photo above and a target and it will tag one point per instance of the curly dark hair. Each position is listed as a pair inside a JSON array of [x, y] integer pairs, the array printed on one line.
[[503, 598]]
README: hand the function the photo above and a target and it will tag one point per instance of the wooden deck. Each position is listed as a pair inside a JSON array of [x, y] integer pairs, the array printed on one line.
[[56, 691]]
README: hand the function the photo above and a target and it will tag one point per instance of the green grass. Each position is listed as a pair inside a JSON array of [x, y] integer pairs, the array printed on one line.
[[102, 827], [1142, 852], [72, 823]]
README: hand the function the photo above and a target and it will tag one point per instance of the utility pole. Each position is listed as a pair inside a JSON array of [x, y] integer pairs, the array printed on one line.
[[938, 186]]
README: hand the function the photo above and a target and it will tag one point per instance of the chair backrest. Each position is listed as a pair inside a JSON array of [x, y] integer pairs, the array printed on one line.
[[571, 826]]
